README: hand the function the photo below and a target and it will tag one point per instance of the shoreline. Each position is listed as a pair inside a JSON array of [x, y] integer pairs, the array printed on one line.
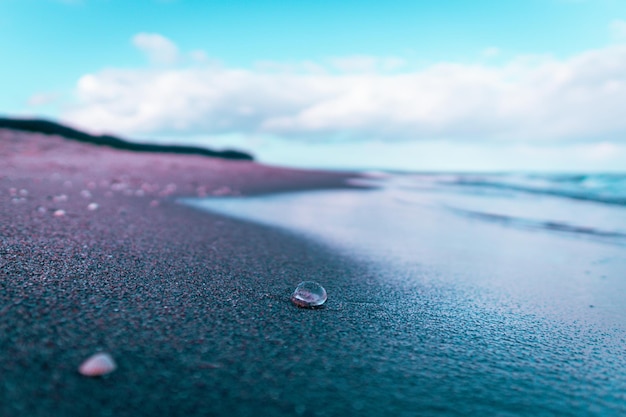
[[194, 307]]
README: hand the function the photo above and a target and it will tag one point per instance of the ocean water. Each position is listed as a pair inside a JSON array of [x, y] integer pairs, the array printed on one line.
[[532, 269], [586, 206]]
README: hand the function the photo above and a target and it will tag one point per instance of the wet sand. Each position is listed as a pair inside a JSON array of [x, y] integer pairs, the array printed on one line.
[[194, 307]]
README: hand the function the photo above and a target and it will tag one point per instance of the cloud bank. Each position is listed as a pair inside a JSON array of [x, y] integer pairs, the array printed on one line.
[[529, 98], [159, 49]]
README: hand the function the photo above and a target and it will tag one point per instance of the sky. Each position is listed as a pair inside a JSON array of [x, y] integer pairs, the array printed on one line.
[[448, 85]]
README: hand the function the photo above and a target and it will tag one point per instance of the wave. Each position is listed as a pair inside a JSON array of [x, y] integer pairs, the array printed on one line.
[[575, 205], [608, 236], [600, 188]]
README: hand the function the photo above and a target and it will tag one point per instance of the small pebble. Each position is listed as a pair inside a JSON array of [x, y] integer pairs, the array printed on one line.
[[168, 190], [97, 365], [222, 191], [59, 213], [92, 206]]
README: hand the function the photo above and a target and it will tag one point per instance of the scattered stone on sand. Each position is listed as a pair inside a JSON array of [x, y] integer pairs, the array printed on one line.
[[97, 365], [222, 191]]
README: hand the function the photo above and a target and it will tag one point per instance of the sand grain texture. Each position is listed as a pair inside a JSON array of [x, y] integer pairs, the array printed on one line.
[[195, 307], [189, 304]]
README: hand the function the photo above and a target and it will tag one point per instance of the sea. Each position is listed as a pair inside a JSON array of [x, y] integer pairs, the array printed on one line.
[[529, 271]]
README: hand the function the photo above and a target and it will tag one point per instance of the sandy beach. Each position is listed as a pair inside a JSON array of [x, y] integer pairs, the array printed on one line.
[[194, 307]]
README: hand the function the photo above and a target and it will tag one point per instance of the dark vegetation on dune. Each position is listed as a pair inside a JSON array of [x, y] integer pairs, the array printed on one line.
[[52, 128]]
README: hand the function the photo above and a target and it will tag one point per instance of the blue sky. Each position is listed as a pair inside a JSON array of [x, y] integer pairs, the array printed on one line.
[[420, 85]]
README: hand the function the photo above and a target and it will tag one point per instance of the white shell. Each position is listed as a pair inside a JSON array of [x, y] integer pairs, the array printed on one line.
[[98, 364]]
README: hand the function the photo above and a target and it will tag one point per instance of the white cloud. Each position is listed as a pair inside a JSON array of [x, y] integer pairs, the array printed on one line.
[[158, 48], [365, 63], [491, 52], [301, 67], [42, 99], [198, 55], [618, 29], [528, 98]]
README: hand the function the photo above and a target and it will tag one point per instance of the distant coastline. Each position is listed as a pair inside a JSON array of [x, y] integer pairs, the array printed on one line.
[[52, 128]]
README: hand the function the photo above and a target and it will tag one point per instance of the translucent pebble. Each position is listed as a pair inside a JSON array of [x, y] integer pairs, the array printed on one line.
[[118, 186], [59, 213], [168, 190], [85, 193], [92, 206], [97, 365], [309, 294]]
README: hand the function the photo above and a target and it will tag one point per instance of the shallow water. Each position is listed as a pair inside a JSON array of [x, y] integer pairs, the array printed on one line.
[[562, 256], [511, 299]]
